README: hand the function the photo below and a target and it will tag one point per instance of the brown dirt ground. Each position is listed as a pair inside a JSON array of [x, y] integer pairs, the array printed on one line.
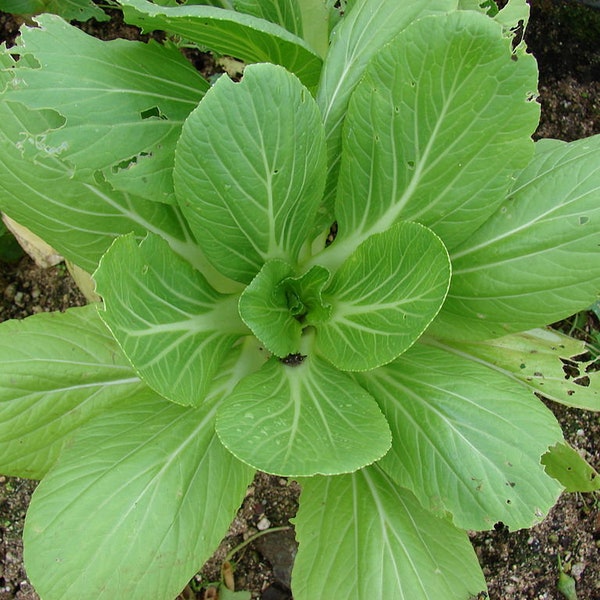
[[565, 37]]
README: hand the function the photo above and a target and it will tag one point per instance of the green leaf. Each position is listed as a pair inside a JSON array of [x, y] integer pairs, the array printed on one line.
[[316, 19], [174, 328], [278, 307], [566, 465], [537, 259], [363, 31], [513, 15], [264, 308], [250, 169], [59, 370], [302, 418], [553, 364], [162, 491], [455, 427], [566, 584], [123, 118], [286, 13], [70, 10], [363, 537], [436, 129], [227, 594], [383, 297], [42, 196], [305, 296], [248, 38]]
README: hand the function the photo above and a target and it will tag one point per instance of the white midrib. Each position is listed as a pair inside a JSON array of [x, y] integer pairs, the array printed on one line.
[[332, 257]]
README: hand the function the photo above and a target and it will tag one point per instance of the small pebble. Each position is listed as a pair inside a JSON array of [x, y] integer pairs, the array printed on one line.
[[263, 524]]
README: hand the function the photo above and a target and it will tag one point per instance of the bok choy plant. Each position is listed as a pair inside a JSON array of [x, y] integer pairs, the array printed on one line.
[[338, 269]]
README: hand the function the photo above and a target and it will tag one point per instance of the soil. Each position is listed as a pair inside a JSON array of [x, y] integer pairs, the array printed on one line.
[[565, 38]]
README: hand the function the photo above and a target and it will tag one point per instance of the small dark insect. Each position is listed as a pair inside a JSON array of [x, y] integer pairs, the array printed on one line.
[[293, 360], [480, 596]]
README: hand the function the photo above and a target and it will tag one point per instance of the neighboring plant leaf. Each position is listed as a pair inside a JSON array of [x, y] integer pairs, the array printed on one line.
[[301, 417], [439, 124], [248, 38], [162, 491], [92, 214], [363, 537], [458, 422], [537, 259], [250, 170], [565, 464], [566, 584], [227, 594], [59, 371], [553, 364], [70, 10], [286, 13], [383, 297], [175, 329], [369, 26], [129, 107]]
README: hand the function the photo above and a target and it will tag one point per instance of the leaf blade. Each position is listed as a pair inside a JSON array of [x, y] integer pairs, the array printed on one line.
[[248, 38], [93, 214], [174, 328], [59, 371], [363, 31], [454, 439], [536, 260], [123, 118], [551, 363], [249, 170], [428, 122], [162, 489], [383, 297], [302, 419], [363, 537]]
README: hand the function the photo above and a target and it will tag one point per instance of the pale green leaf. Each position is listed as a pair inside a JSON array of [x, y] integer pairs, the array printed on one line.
[[537, 259], [172, 325], [80, 220], [566, 465], [250, 169], [364, 538], [316, 19], [286, 13], [383, 297], [246, 37], [162, 491], [466, 440], [278, 307], [363, 31], [301, 417], [123, 118], [227, 594], [58, 371], [514, 15], [305, 296], [264, 308], [555, 365], [436, 129]]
